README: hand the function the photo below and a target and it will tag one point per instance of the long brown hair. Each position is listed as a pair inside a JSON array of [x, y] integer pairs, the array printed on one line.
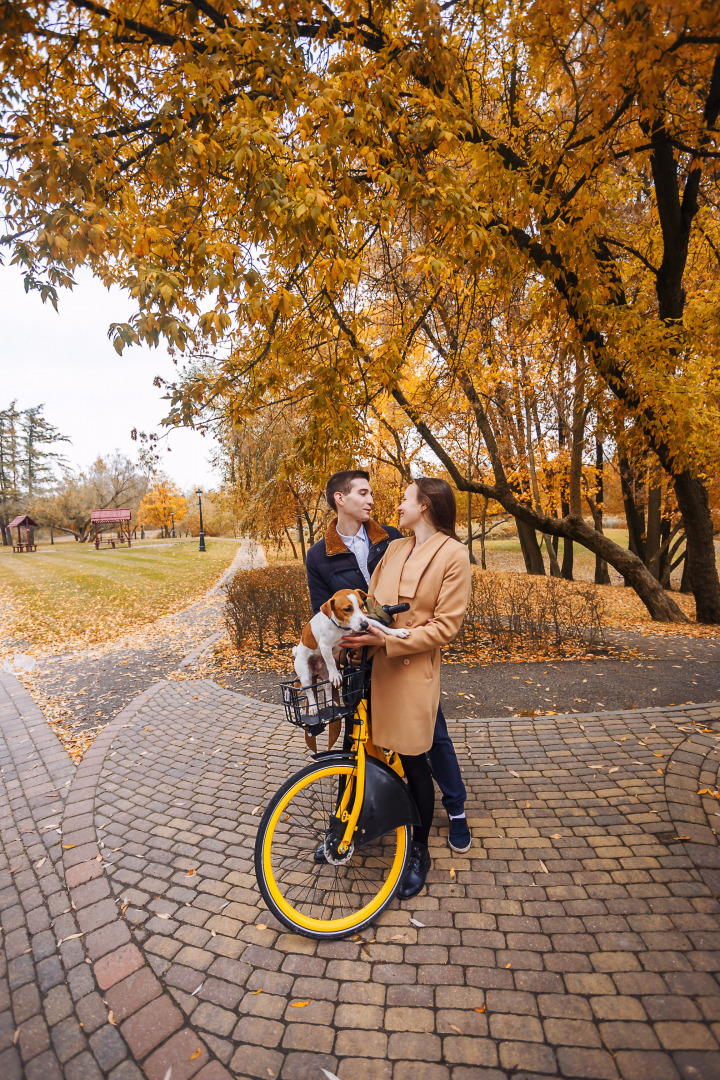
[[439, 498]]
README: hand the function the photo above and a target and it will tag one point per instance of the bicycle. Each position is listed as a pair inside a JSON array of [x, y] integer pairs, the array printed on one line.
[[349, 806]]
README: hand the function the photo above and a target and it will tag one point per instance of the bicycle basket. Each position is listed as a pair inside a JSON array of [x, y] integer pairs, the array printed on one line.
[[314, 707]]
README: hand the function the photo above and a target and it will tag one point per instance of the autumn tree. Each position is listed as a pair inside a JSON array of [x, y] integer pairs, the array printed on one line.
[[162, 502], [233, 164], [28, 459], [111, 482]]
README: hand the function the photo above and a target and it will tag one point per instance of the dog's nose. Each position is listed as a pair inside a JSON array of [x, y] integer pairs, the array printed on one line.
[[364, 625]]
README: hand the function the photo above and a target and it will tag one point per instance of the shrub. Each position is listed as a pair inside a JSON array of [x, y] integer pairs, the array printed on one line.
[[516, 607], [266, 606], [271, 606]]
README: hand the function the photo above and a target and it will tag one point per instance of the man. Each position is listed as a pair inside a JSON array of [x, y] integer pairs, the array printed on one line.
[[345, 559]]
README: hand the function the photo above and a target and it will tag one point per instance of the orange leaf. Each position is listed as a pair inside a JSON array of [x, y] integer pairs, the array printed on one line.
[[254, 992], [197, 1053], [481, 1009], [299, 1004]]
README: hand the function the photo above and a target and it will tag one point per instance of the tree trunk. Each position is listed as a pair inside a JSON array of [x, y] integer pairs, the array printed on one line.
[[568, 552], [473, 560], [685, 579], [287, 533], [700, 563], [301, 538], [483, 518], [530, 549], [602, 574], [652, 534], [634, 515]]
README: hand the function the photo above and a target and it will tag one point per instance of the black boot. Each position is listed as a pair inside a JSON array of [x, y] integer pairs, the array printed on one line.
[[416, 872], [319, 855]]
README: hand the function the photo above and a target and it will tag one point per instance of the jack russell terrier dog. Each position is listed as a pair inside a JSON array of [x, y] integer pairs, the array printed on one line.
[[342, 614]]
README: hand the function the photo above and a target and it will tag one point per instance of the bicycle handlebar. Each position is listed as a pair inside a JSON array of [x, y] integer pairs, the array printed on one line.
[[395, 609]]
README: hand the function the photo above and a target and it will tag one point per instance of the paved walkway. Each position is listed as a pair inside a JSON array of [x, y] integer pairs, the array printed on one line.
[[578, 937]]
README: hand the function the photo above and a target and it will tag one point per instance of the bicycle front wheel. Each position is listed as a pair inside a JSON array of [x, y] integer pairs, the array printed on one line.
[[323, 900]]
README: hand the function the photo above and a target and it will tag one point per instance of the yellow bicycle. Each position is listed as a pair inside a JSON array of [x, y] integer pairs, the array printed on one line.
[[334, 841]]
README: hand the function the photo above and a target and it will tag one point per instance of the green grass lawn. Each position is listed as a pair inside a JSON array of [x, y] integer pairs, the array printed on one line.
[[71, 590]]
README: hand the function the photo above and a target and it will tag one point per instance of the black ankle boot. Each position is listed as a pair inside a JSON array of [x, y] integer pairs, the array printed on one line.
[[416, 872], [319, 855]]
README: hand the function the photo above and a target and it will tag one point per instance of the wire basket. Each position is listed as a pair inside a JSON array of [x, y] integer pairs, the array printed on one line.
[[314, 707]]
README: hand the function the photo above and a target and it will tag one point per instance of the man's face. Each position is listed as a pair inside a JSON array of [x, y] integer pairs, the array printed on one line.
[[358, 502]]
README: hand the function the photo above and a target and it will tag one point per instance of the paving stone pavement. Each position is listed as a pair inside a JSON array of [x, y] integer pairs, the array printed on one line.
[[577, 938]]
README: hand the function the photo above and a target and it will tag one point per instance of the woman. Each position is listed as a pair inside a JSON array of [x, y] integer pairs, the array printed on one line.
[[430, 570]]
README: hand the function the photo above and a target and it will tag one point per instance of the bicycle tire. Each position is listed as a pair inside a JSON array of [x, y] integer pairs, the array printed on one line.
[[322, 901]]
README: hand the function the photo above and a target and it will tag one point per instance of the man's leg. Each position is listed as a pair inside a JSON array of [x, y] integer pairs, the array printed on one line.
[[446, 771]]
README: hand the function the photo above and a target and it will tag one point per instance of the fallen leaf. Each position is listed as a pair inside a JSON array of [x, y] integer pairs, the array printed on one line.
[[255, 811], [299, 1004], [198, 989], [556, 836], [508, 965], [481, 1009], [111, 1018], [330, 1076], [513, 773], [543, 867], [261, 926], [454, 1028], [452, 871], [71, 938], [190, 873], [254, 992], [66, 847], [162, 915], [614, 769], [40, 863], [198, 1052], [416, 922]]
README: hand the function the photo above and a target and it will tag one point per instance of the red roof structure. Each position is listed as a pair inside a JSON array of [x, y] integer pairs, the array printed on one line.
[[23, 521], [109, 515], [118, 517]]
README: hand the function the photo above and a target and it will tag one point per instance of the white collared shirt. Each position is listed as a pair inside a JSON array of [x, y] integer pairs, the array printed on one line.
[[359, 544]]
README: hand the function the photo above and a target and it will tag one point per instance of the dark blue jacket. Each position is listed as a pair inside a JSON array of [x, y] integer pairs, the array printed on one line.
[[331, 566]]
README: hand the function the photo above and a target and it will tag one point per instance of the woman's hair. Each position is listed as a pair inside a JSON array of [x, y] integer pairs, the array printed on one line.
[[438, 497]]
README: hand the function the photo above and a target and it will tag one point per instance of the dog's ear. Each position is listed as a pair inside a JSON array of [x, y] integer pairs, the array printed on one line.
[[361, 595], [327, 609]]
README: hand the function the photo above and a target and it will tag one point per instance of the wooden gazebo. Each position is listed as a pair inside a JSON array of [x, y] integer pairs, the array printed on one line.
[[24, 521], [119, 518]]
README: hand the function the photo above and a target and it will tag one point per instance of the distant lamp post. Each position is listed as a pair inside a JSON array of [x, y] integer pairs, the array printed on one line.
[[172, 518], [202, 534]]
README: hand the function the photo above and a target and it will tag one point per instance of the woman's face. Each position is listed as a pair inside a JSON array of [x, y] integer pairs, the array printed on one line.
[[411, 510]]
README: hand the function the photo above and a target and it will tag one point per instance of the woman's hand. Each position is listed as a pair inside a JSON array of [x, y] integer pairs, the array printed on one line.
[[356, 641]]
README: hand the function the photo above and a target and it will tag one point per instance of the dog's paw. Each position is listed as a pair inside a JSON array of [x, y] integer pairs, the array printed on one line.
[[335, 678], [402, 633]]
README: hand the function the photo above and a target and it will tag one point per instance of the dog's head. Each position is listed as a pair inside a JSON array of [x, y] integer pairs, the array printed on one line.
[[345, 608]]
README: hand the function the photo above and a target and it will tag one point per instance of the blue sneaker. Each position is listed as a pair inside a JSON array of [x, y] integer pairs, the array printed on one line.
[[459, 837]]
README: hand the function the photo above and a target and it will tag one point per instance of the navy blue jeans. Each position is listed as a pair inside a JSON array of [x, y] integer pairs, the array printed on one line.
[[445, 768]]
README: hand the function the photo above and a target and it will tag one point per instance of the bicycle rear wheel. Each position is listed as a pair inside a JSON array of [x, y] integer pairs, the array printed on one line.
[[323, 900]]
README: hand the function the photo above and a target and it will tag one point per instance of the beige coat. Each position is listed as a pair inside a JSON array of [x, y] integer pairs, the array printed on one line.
[[435, 581]]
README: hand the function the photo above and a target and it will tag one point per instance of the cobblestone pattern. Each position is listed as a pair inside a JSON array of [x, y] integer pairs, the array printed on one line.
[[53, 1022], [157, 1033], [577, 938]]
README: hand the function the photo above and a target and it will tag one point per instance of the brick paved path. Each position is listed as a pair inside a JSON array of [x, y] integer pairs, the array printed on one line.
[[577, 938]]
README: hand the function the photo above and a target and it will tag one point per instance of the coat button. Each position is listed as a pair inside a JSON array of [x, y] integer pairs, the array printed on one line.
[[406, 661], [408, 622]]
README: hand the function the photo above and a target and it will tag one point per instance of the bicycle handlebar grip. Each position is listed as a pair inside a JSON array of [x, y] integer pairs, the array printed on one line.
[[395, 609]]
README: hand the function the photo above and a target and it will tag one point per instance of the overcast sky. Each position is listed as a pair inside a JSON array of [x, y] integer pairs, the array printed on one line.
[[65, 361]]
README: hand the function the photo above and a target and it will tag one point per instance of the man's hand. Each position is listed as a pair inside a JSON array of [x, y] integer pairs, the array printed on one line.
[[357, 641]]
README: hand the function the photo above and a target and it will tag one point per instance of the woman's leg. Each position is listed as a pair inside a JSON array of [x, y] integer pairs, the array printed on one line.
[[422, 789]]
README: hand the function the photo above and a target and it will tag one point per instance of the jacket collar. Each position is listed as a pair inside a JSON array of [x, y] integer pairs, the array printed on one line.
[[335, 546], [401, 575]]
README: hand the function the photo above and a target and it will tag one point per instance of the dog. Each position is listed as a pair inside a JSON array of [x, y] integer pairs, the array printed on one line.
[[342, 614]]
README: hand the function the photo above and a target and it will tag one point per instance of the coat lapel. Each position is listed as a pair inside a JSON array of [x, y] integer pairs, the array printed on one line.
[[401, 574], [417, 564]]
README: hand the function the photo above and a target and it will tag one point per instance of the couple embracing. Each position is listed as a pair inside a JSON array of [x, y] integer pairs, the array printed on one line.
[[430, 570]]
